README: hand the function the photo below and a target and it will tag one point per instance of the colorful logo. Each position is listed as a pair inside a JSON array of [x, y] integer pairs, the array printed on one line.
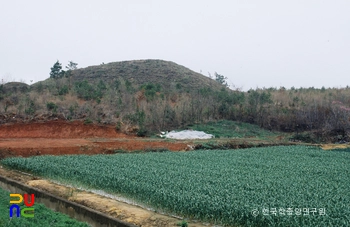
[[28, 211]]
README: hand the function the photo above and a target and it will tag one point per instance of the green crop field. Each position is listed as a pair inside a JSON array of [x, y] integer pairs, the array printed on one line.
[[271, 186], [43, 217]]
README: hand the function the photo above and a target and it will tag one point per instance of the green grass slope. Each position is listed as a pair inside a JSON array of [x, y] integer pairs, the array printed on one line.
[[232, 129]]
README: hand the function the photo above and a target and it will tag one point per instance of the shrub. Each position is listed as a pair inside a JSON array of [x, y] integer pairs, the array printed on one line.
[[116, 84], [151, 90], [71, 110], [178, 86], [31, 108], [142, 132], [128, 85], [119, 151], [63, 90], [304, 137], [85, 90], [40, 88], [159, 150], [51, 106], [118, 126], [182, 224]]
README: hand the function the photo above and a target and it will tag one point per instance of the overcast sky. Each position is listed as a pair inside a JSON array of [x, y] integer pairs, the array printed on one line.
[[254, 43]]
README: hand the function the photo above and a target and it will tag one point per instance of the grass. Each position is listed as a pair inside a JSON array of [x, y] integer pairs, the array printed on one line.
[[142, 72], [220, 186], [43, 216], [232, 129]]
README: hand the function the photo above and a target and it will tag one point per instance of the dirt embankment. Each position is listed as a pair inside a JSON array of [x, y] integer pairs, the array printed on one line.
[[61, 137], [58, 129]]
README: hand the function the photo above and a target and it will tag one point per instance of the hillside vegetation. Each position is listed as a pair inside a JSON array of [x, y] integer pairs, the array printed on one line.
[[147, 96]]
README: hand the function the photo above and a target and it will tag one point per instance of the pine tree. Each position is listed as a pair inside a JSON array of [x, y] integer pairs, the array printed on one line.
[[221, 79], [71, 66], [56, 70]]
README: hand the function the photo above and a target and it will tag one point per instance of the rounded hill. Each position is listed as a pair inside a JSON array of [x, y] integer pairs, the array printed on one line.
[[14, 87], [138, 72]]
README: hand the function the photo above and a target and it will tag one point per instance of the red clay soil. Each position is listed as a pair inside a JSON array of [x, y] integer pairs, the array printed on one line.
[[58, 129], [60, 137]]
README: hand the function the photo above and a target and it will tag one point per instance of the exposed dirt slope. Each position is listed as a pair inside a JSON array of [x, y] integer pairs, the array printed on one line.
[[58, 129], [26, 147], [61, 137]]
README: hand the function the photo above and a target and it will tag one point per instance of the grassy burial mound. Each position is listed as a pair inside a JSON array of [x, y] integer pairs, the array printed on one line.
[[168, 75]]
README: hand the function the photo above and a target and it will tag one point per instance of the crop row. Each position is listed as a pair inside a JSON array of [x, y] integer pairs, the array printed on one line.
[[231, 187]]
